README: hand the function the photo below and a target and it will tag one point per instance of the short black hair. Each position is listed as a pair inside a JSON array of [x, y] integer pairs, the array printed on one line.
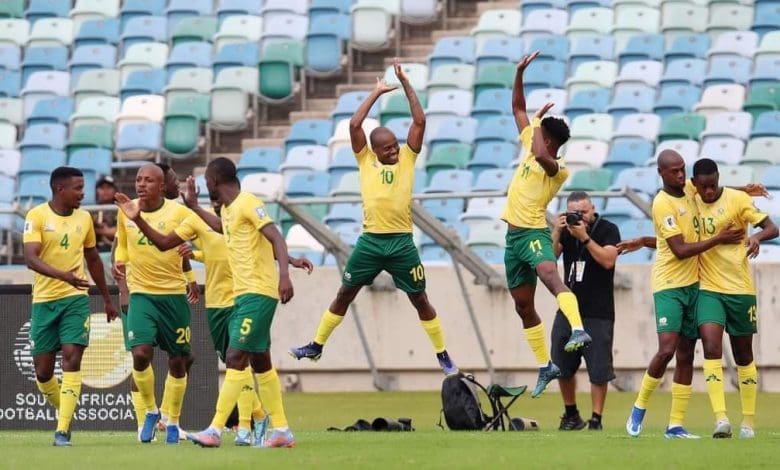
[[557, 129], [223, 169], [577, 196], [164, 167], [60, 174], [704, 166]]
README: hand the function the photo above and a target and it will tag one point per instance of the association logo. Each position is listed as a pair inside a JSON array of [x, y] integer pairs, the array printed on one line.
[[105, 364], [662, 321], [260, 212], [347, 276]]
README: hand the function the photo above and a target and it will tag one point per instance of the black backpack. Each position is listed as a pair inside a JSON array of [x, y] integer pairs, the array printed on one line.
[[460, 403]]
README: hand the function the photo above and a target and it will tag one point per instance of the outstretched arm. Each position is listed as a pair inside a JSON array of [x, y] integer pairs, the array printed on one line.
[[415, 137], [133, 212], [628, 246], [356, 134], [518, 96], [190, 199], [538, 148]]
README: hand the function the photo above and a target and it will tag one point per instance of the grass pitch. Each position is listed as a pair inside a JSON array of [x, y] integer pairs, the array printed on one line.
[[429, 446]]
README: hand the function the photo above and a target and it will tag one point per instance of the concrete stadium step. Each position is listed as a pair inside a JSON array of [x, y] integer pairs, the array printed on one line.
[[495, 5], [251, 143], [438, 34], [319, 104], [321, 114], [407, 60]]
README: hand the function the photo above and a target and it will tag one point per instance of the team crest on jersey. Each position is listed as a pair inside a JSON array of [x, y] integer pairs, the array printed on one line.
[[160, 225], [681, 210], [78, 229], [260, 212], [720, 211], [669, 221]]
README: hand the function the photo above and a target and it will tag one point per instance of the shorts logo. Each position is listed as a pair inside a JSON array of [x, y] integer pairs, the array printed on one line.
[[347, 276], [242, 339], [662, 321], [130, 334]]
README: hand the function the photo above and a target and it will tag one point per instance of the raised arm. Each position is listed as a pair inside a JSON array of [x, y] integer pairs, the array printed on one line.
[[190, 199], [356, 134], [133, 212], [538, 148], [415, 137], [518, 96]]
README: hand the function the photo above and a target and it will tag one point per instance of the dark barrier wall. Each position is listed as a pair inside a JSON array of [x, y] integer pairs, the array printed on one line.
[[106, 370]]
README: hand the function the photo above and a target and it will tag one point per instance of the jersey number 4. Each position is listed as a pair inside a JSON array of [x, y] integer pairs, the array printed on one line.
[[64, 243]]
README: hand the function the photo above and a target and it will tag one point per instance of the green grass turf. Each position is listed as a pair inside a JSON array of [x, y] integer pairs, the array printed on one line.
[[430, 447]]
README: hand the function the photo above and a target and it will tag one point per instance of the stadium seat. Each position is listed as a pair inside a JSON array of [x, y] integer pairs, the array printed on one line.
[[451, 156], [9, 166], [348, 103], [483, 209], [543, 74], [729, 17], [684, 72], [348, 185], [342, 162], [180, 9], [544, 22], [341, 137], [307, 184], [273, 8], [10, 57], [682, 126], [641, 47], [138, 140], [762, 152], [593, 100], [319, 8], [343, 213], [585, 154], [325, 46], [400, 128], [34, 190], [725, 69], [688, 46], [717, 98], [767, 125], [14, 32], [728, 124], [450, 181], [540, 97], [44, 136], [676, 99], [766, 19], [349, 233], [90, 136], [371, 28], [498, 75], [259, 160], [197, 29], [188, 54], [435, 255], [51, 111], [135, 8], [308, 132], [89, 57], [142, 29], [38, 9], [642, 125], [589, 21], [633, 99], [628, 153], [497, 22], [40, 162], [277, 81], [494, 102], [487, 235], [496, 129], [689, 149], [41, 59], [452, 130], [595, 179], [452, 50], [493, 179], [592, 126], [305, 158], [243, 54], [394, 105], [769, 45], [593, 74], [642, 179], [499, 50], [448, 103], [12, 111], [449, 76], [12, 9], [635, 228], [639, 72], [143, 56], [93, 160], [237, 29], [298, 239], [51, 32], [446, 210], [493, 155], [98, 31], [725, 150], [43, 85], [762, 98], [591, 47], [735, 175], [143, 82], [632, 20], [265, 185], [734, 44], [765, 72], [7, 136], [769, 254], [550, 48]]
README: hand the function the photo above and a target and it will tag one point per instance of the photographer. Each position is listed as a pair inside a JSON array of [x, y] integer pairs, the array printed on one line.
[[588, 244]]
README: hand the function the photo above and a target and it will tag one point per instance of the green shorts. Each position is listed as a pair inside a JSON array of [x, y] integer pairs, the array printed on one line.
[[219, 321], [675, 310], [160, 320], [250, 324], [526, 248], [58, 322], [392, 252], [735, 312]]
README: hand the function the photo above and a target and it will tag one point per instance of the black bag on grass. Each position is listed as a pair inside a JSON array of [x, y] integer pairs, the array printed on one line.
[[460, 403]]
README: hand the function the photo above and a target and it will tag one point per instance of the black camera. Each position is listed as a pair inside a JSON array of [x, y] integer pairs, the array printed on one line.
[[573, 218]]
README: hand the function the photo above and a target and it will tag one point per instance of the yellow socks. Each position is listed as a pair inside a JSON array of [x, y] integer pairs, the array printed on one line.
[[228, 396], [271, 396], [538, 342], [139, 406], [328, 323], [50, 390], [748, 386], [69, 398], [165, 403], [175, 389], [257, 408], [144, 380], [681, 395], [246, 401], [646, 389], [435, 333], [567, 302], [713, 376]]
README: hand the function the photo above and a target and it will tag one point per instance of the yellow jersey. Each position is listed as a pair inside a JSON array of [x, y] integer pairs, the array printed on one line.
[[250, 254], [724, 268], [531, 189], [62, 239], [213, 252], [149, 270], [386, 191], [675, 216]]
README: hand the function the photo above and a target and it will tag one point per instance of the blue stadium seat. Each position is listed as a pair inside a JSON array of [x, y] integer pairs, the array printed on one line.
[[325, 45], [259, 160], [643, 179], [189, 54], [400, 128], [98, 31], [39, 9], [308, 184], [551, 47], [10, 83], [348, 103], [343, 213], [728, 70], [496, 129], [37, 59], [34, 189], [144, 29], [766, 71], [628, 153], [493, 179], [139, 137], [620, 209], [490, 254], [342, 162], [633, 99], [767, 125], [435, 254], [135, 8], [500, 49], [329, 7], [446, 210], [544, 74], [676, 99], [227, 8], [492, 103], [240, 54], [41, 162], [285, 25], [449, 103], [635, 228], [349, 233], [527, 6], [44, 136], [647, 46], [178, 9], [308, 132], [143, 82], [591, 47], [10, 57], [688, 46], [452, 50], [7, 189], [450, 181], [594, 100], [336, 24], [305, 157], [456, 227], [97, 56], [51, 111], [452, 130], [771, 178], [684, 72], [767, 17], [93, 160]]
